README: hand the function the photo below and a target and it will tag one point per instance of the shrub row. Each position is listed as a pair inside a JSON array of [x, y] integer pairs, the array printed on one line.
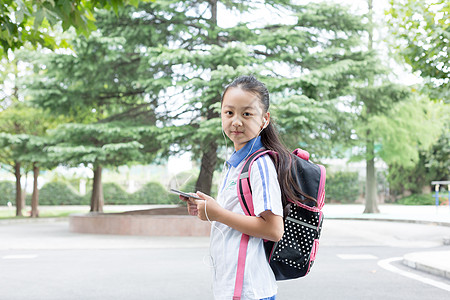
[[7, 192], [342, 187], [59, 193], [423, 199]]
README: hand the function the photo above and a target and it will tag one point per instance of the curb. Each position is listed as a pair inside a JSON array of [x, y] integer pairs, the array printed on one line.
[[412, 262], [352, 218], [33, 220], [427, 222]]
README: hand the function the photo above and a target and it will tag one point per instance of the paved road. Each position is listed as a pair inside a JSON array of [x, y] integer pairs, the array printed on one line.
[[45, 261]]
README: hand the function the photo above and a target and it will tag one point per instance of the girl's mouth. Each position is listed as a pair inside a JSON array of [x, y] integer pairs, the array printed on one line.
[[236, 132]]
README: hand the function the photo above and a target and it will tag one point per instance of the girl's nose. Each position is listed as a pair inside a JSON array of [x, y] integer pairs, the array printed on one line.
[[236, 121]]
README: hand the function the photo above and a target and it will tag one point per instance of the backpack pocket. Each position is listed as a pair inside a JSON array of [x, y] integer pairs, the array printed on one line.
[[293, 255]]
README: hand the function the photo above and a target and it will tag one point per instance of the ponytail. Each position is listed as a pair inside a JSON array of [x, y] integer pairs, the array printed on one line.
[[291, 191]]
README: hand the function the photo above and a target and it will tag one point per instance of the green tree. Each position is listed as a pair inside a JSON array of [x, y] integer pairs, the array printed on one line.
[[308, 63], [25, 21], [409, 127], [109, 94], [24, 143], [401, 134], [36, 156], [12, 146], [393, 123], [99, 145], [432, 165], [315, 66], [421, 35], [19, 118]]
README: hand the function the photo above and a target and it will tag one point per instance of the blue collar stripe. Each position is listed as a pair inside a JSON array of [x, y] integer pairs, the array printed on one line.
[[251, 147]]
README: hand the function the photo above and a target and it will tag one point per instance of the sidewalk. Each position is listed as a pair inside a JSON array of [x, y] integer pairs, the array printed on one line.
[[433, 262], [422, 214]]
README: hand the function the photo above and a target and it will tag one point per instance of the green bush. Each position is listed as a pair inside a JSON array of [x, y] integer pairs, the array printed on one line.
[[115, 194], [342, 187], [421, 199], [58, 193], [7, 192], [153, 193]]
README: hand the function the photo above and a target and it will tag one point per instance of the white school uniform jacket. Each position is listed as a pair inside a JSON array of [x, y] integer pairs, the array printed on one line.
[[259, 280]]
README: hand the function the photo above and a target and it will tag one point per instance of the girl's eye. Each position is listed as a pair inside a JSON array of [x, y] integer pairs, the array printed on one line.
[[229, 113], [246, 114]]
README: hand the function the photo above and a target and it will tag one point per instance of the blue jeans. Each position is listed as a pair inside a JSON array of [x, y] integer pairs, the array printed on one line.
[[270, 298]]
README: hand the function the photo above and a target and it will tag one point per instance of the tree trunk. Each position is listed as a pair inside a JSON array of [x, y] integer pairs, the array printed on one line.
[[19, 206], [97, 191], [24, 191], [35, 196], [214, 13], [371, 179], [209, 159]]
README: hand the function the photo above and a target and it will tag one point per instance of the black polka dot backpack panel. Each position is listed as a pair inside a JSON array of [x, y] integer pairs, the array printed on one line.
[[293, 256]]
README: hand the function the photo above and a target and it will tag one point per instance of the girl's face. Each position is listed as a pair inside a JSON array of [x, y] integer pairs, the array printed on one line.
[[242, 116]]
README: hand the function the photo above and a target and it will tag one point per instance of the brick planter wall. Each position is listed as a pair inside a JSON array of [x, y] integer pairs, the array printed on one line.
[[148, 225]]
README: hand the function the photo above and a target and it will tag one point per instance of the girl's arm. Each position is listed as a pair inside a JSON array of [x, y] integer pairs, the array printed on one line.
[[268, 226]]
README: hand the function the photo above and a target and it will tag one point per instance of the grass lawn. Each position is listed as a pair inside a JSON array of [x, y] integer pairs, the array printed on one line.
[[57, 213]]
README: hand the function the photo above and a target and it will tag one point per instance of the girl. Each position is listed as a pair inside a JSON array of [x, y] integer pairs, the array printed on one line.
[[246, 121]]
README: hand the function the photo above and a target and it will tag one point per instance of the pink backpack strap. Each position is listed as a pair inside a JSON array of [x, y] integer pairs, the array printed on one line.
[[321, 193], [244, 190], [245, 198], [241, 267], [301, 153]]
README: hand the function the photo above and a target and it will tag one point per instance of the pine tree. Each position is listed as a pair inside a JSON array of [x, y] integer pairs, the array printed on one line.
[[168, 62], [24, 143], [101, 145], [307, 65], [103, 87]]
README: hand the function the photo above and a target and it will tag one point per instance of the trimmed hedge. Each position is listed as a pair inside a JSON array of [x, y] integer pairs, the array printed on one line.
[[422, 199], [115, 194], [342, 187], [7, 192], [153, 193], [58, 193], [150, 193], [61, 193]]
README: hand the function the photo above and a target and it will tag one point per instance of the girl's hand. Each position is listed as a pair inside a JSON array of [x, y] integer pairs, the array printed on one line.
[[191, 205], [213, 209]]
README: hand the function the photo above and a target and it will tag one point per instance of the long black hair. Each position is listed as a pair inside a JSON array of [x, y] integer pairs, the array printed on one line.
[[290, 189]]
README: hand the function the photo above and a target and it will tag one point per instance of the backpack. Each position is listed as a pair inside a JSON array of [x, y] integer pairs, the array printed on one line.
[[293, 256]]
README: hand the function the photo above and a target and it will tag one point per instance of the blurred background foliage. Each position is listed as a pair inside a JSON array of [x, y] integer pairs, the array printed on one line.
[[107, 83]]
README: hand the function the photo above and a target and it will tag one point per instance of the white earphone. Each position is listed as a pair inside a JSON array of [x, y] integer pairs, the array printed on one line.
[[266, 122]]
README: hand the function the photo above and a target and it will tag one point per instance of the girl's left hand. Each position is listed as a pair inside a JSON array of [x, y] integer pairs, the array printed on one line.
[[213, 209]]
